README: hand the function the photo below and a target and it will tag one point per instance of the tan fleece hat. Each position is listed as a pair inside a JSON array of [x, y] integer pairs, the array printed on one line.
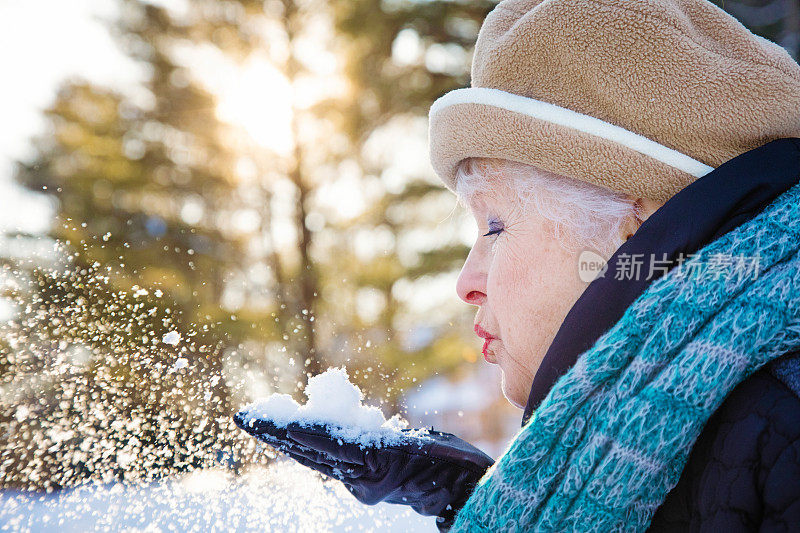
[[640, 96]]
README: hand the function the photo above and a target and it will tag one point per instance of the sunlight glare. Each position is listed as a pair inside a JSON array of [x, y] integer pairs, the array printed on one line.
[[259, 100]]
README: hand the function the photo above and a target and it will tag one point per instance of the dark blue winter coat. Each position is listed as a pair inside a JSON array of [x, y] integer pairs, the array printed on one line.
[[743, 473]]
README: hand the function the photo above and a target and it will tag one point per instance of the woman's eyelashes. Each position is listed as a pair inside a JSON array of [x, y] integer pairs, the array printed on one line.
[[495, 227]]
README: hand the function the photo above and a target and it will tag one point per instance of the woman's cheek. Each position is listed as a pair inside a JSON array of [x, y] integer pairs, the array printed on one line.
[[507, 283], [514, 265]]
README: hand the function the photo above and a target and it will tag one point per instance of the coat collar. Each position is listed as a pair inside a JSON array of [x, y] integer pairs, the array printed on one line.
[[697, 215]]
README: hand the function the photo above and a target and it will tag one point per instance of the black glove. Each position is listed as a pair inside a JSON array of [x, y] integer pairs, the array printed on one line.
[[434, 472]]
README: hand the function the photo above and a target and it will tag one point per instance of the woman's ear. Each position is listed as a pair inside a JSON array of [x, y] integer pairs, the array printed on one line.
[[634, 224], [644, 208]]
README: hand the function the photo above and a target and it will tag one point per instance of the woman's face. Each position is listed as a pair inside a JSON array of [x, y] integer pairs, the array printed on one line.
[[523, 283]]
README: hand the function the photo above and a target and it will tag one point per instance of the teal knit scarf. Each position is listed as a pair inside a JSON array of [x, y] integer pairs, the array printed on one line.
[[611, 438]]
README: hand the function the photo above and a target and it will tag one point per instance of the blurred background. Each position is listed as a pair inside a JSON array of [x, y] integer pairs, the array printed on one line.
[[206, 201]]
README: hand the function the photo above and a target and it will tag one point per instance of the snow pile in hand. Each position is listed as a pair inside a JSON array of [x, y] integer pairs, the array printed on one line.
[[335, 402]]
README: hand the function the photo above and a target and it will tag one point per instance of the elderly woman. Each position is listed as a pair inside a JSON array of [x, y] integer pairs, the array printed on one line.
[[633, 170]]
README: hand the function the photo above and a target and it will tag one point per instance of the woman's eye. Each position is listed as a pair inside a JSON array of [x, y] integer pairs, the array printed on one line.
[[494, 228]]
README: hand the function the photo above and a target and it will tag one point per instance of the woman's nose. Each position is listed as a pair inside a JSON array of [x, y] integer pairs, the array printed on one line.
[[471, 284]]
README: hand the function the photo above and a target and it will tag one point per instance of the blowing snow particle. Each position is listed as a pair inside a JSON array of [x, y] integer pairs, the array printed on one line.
[[173, 338]]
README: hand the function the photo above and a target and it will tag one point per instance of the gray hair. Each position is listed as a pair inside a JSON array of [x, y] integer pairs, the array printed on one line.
[[584, 215]]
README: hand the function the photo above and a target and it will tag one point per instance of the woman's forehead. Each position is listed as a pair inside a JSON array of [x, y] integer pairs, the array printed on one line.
[[492, 197]]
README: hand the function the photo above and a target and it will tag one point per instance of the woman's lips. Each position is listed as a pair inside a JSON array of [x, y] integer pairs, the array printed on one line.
[[480, 332], [486, 354], [487, 339]]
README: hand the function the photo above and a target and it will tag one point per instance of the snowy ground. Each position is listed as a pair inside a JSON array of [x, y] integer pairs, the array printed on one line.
[[284, 497]]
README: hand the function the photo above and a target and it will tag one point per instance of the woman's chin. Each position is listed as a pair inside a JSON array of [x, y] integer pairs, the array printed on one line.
[[512, 393]]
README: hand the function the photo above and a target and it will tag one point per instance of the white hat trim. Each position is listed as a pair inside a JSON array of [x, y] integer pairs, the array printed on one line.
[[571, 119]]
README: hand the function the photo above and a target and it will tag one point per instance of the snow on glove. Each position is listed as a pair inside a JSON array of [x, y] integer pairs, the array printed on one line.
[[432, 472]]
